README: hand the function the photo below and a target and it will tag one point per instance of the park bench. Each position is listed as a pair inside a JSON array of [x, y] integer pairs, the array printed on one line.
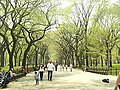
[[18, 75], [5, 78]]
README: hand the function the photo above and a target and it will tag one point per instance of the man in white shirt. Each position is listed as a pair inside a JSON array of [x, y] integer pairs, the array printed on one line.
[[50, 68]]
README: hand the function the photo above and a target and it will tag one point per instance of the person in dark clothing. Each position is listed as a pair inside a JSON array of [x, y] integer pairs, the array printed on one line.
[[41, 72], [56, 67]]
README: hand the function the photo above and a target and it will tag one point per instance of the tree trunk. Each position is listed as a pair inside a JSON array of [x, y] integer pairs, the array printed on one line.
[[2, 58], [87, 64], [110, 54], [107, 58], [107, 55], [101, 61], [76, 50], [73, 58], [20, 58], [15, 61], [86, 50], [25, 55], [15, 58], [91, 62], [36, 59], [10, 60]]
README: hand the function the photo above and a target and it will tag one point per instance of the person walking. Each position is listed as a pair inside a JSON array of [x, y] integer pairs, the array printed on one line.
[[50, 68], [66, 66], [63, 67], [71, 67], [36, 77], [41, 72], [56, 66]]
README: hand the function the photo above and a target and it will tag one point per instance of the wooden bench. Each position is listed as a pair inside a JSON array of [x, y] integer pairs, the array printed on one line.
[[17, 76]]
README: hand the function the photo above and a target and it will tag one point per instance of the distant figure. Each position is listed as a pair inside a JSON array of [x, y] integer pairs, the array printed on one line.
[[45, 68], [23, 70], [117, 86], [56, 66], [50, 68], [66, 66], [60, 67], [63, 67], [41, 72], [12, 74], [36, 77], [71, 67], [84, 69]]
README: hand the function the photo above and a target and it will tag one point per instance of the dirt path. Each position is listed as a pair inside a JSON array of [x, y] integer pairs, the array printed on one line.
[[64, 80]]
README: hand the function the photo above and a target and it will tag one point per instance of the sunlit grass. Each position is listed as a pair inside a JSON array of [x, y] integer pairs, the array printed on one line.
[[116, 66], [6, 68]]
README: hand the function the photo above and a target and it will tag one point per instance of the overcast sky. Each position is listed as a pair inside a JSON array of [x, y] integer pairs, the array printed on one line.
[[66, 3]]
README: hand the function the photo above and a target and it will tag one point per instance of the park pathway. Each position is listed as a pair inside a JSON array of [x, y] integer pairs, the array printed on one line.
[[64, 80]]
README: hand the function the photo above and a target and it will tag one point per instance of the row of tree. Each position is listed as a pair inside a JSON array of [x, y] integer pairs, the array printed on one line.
[[23, 23], [90, 34]]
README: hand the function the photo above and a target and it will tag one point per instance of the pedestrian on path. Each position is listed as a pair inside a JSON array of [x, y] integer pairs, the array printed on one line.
[[63, 67], [36, 77], [66, 66], [59, 67], [50, 68], [13, 74], [41, 72], [56, 66], [23, 70], [117, 86], [71, 67]]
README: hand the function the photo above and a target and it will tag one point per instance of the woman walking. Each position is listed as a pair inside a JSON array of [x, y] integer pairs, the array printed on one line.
[[41, 72]]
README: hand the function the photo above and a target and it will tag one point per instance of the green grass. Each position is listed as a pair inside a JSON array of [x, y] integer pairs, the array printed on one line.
[[115, 69], [6, 68], [116, 66]]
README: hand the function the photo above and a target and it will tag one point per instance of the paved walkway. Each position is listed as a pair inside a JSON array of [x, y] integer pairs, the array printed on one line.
[[64, 80]]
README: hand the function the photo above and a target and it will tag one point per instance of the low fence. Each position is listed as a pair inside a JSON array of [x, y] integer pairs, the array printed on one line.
[[114, 71], [104, 71]]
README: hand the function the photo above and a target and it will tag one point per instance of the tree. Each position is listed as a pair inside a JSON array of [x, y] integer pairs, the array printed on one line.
[[82, 13], [109, 34], [12, 14], [42, 51], [35, 29]]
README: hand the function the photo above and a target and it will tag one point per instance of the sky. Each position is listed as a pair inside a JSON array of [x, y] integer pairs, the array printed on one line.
[[113, 1], [66, 3]]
